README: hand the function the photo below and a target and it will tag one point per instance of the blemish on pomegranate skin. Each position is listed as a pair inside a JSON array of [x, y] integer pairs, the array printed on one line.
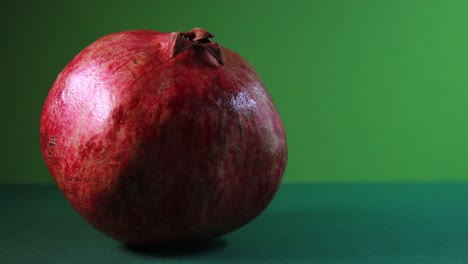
[[135, 76], [118, 115], [52, 141]]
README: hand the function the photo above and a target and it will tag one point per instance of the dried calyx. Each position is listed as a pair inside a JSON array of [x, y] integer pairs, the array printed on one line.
[[197, 37]]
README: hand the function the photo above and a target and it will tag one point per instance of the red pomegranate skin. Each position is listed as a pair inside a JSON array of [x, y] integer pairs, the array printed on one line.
[[152, 147]]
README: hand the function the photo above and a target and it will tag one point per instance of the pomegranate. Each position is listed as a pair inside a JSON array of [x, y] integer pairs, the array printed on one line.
[[162, 137]]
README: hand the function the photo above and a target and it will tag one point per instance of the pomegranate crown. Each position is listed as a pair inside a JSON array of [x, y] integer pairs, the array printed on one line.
[[197, 37]]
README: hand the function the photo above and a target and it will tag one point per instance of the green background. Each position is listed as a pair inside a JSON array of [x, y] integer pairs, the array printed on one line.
[[368, 90]]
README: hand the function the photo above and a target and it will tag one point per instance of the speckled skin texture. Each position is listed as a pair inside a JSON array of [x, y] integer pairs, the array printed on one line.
[[149, 148]]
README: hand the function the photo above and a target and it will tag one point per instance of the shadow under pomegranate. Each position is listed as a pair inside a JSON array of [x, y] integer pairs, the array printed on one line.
[[178, 249]]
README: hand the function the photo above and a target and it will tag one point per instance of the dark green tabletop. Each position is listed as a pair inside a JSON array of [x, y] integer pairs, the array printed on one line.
[[315, 223]]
